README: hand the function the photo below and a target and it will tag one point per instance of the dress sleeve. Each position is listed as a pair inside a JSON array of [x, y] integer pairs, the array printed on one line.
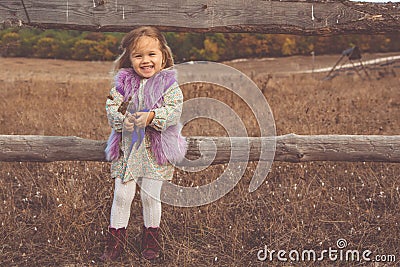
[[170, 113], [114, 116]]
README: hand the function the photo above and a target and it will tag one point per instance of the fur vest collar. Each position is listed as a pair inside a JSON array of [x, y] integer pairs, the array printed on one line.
[[167, 146]]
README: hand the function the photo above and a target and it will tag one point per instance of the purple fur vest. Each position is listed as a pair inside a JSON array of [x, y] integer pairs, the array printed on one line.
[[168, 145]]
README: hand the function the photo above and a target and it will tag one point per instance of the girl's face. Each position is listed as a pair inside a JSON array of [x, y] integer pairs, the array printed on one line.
[[147, 58]]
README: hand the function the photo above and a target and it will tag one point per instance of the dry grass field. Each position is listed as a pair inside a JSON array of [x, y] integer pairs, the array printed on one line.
[[56, 214]]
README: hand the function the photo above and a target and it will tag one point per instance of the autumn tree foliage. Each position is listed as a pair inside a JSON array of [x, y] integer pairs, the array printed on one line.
[[62, 44]]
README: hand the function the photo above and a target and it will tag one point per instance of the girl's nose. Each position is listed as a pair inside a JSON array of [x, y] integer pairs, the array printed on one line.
[[145, 59]]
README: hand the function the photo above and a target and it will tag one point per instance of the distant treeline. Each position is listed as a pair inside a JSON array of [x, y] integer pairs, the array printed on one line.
[[63, 44]]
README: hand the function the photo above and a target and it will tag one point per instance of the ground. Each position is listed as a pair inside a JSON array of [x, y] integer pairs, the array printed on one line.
[[56, 214]]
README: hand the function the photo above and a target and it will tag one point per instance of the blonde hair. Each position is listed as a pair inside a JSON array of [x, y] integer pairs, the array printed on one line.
[[130, 41]]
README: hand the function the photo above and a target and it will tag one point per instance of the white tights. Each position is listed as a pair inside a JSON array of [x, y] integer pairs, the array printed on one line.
[[124, 193]]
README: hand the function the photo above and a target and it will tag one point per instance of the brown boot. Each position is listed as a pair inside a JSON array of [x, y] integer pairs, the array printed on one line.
[[116, 242], [150, 243]]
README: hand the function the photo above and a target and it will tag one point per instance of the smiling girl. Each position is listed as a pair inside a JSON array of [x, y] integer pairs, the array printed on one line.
[[143, 110]]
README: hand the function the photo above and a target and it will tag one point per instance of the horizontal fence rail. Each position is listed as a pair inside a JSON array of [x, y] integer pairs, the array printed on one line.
[[289, 148], [294, 17]]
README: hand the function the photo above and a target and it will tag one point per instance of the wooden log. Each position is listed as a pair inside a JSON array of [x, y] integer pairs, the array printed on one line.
[[289, 148], [293, 17]]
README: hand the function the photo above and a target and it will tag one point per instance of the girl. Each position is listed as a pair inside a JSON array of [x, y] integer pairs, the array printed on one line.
[[143, 109]]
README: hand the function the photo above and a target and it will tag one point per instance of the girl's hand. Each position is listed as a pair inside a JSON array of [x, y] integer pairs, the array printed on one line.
[[143, 119], [129, 124]]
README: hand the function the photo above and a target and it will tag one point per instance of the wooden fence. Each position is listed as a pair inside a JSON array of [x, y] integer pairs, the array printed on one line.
[[299, 17], [294, 17], [290, 148]]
